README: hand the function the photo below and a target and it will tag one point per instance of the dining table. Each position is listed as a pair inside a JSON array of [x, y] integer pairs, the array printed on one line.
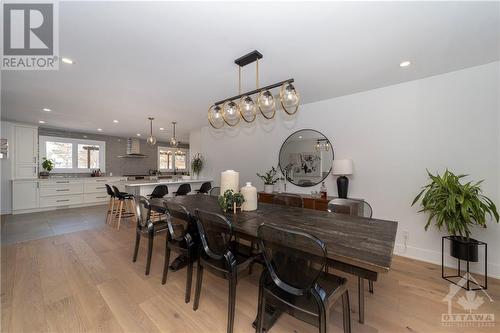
[[360, 246]]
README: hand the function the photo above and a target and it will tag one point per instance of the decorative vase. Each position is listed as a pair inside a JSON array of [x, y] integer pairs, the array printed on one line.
[[44, 174], [461, 246], [268, 188], [250, 194]]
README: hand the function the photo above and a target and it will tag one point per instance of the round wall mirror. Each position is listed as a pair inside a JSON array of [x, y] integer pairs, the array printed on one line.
[[306, 158]]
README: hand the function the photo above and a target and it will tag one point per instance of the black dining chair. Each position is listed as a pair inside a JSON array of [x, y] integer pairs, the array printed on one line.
[[179, 239], [354, 207], [215, 191], [295, 279], [183, 189], [221, 255], [146, 227], [126, 199], [291, 200], [205, 188]]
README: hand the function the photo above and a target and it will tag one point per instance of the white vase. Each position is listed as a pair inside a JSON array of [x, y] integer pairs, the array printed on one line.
[[268, 188], [250, 194]]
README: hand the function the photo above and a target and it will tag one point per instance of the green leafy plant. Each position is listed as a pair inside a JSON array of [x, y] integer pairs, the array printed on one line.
[[47, 164], [454, 205], [270, 177], [197, 163], [227, 200]]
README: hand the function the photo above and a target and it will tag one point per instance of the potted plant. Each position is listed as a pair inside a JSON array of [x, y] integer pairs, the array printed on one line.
[[270, 178], [231, 201], [47, 165], [197, 164], [456, 207]]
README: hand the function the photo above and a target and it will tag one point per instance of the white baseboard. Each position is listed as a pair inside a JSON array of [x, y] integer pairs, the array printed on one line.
[[434, 257]]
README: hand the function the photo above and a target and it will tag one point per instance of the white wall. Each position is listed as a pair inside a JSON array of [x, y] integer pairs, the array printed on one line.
[[6, 132], [393, 134]]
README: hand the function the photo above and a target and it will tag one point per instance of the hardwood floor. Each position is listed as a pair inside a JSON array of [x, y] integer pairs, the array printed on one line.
[[86, 282]]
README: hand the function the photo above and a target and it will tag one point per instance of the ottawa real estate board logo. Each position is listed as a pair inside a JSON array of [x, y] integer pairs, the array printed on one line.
[[30, 35]]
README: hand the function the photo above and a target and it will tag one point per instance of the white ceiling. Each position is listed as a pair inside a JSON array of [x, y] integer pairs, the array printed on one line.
[[171, 60]]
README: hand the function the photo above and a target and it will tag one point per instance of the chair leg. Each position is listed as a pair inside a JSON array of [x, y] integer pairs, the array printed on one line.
[[346, 312], [166, 262], [361, 300], [136, 248], [231, 303], [109, 211], [189, 276], [323, 318], [370, 286], [261, 312], [199, 278], [150, 252], [120, 215], [112, 216]]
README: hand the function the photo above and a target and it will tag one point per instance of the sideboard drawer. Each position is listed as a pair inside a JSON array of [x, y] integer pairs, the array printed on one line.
[[61, 189], [61, 200], [95, 197], [95, 188]]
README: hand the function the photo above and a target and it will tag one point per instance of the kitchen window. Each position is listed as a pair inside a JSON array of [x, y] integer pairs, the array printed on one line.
[[171, 158], [73, 155]]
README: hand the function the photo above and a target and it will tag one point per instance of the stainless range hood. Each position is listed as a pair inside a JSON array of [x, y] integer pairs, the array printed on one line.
[[133, 149]]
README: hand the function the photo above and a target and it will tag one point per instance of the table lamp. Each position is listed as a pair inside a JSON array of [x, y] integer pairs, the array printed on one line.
[[342, 168]]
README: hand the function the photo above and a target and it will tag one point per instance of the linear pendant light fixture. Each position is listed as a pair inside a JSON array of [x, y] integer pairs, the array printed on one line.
[[242, 106], [173, 141]]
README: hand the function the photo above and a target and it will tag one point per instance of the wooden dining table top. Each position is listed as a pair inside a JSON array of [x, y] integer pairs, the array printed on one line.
[[366, 243]]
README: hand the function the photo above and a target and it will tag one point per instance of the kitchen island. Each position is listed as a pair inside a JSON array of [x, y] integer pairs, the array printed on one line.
[[146, 187]]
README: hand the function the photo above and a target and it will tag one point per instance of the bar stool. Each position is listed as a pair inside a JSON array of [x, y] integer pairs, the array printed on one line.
[[183, 189], [205, 188], [111, 204], [126, 212], [158, 193], [215, 191]]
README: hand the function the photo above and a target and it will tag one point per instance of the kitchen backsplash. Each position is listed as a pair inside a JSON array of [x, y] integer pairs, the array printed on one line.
[[116, 146]]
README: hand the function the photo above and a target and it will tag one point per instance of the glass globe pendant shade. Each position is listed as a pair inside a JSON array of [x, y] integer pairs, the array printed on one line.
[[289, 98], [248, 109], [174, 142], [266, 104], [231, 113], [151, 140], [215, 116]]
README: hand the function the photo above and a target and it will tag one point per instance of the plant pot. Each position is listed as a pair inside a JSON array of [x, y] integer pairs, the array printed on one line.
[[268, 188], [459, 246], [44, 174]]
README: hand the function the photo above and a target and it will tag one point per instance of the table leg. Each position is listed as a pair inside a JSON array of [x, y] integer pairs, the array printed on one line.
[[361, 299]]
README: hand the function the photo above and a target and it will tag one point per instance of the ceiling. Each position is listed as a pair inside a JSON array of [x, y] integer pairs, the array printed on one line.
[[171, 60]]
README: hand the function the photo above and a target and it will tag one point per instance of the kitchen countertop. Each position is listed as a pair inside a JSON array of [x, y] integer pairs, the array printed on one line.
[[165, 181]]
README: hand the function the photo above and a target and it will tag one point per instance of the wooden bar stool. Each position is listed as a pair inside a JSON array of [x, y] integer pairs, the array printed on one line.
[[111, 204], [158, 193], [126, 212]]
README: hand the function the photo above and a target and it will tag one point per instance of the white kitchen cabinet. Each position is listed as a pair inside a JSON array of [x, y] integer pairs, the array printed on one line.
[[25, 152], [25, 194]]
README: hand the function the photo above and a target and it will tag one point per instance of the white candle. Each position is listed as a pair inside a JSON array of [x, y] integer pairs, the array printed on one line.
[[229, 180]]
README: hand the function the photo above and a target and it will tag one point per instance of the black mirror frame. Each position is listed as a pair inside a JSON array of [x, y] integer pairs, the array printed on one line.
[[333, 156]]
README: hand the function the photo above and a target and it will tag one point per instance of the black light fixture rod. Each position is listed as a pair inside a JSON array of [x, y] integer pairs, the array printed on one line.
[[271, 86]]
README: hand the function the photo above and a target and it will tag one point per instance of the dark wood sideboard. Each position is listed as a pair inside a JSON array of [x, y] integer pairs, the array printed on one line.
[[311, 202]]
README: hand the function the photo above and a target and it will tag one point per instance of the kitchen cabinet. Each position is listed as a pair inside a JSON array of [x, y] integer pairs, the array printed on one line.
[[25, 152], [25, 194]]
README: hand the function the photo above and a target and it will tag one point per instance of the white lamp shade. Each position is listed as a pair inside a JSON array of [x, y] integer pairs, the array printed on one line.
[[343, 167]]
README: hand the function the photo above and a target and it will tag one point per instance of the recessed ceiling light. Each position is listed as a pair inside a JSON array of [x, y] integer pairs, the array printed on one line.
[[138, 134], [41, 122], [99, 129], [115, 121], [46, 109], [405, 64], [67, 61], [85, 136], [300, 136], [161, 129]]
